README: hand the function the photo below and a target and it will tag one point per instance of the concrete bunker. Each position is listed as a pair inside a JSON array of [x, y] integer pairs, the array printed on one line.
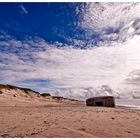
[[104, 101]]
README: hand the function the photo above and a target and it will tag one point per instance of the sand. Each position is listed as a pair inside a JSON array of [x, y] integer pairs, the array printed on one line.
[[46, 117]]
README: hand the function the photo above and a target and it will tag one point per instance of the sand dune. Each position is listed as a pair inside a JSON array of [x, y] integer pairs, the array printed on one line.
[[32, 115]]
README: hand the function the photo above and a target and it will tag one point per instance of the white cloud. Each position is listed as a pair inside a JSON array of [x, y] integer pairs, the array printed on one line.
[[76, 68], [101, 17]]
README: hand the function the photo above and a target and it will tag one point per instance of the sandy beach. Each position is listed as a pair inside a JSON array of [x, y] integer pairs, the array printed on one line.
[[35, 116]]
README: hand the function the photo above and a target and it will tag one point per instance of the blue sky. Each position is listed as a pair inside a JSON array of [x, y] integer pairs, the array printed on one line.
[[50, 21], [27, 19], [64, 46]]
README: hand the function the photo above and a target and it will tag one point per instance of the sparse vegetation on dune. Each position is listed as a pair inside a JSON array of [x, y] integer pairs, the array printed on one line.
[[27, 92]]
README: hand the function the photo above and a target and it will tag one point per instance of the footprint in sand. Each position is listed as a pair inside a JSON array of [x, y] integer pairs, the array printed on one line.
[[5, 135]]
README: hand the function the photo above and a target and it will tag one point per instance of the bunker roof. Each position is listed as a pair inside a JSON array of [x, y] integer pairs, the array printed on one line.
[[100, 97]]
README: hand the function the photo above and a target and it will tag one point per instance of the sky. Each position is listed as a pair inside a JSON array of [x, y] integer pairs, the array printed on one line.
[[75, 50]]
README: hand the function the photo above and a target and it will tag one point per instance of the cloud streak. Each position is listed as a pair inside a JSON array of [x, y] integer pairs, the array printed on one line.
[[24, 10]]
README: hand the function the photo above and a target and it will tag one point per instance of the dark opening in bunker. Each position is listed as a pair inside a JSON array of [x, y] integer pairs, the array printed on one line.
[[98, 103]]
